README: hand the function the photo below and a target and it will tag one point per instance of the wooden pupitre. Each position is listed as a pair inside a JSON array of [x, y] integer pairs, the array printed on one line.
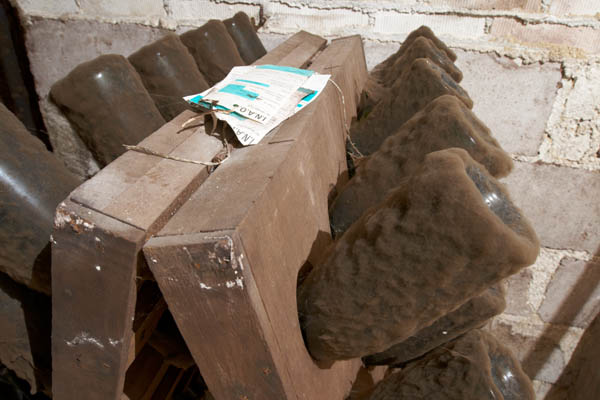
[[225, 248]]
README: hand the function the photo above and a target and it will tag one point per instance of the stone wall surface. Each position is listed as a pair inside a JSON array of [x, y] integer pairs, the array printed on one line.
[[532, 68]]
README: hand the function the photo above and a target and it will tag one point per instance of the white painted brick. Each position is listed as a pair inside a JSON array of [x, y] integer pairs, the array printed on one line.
[[583, 100], [574, 125], [575, 7], [55, 47], [418, 5], [391, 23], [122, 8], [47, 8], [513, 100], [351, 4], [271, 40], [284, 19], [541, 35], [561, 203], [376, 52], [526, 5], [195, 13]]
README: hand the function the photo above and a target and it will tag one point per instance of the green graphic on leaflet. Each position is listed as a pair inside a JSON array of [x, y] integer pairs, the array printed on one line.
[[310, 95], [253, 82], [239, 90], [303, 72]]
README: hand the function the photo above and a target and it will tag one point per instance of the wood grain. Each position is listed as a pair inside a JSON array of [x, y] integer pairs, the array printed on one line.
[[296, 52], [97, 263], [228, 260]]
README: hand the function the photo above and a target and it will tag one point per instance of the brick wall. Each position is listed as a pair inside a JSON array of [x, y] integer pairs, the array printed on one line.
[[531, 66]]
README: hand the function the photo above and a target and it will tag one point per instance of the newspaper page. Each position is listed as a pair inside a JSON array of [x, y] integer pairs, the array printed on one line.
[[253, 100]]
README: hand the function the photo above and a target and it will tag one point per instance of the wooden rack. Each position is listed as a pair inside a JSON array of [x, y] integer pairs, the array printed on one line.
[[225, 249]]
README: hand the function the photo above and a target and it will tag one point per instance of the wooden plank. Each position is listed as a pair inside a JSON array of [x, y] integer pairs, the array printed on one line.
[[108, 184], [243, 178], [340, 59], [145, 374], [214, 301], [165, 183], [89, 246], [297, 51], [346, 86], [94, 263], [167, 340], [161, 364], [262, 214], [167, 385], [98, 234], [186, 380]]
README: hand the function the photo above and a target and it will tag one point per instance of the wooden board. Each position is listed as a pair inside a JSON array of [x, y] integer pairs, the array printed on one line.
[[95, 259], [97, 263], [296, 52], [227, 262]]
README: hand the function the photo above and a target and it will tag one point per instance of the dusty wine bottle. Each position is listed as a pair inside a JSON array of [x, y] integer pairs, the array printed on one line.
[[421, 47], [168, 72], [473, 367], [446, 122], [422, 31], [107, 102], [473, 314], [418, 85], [244, 35], [213, 49], [442, 237]]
